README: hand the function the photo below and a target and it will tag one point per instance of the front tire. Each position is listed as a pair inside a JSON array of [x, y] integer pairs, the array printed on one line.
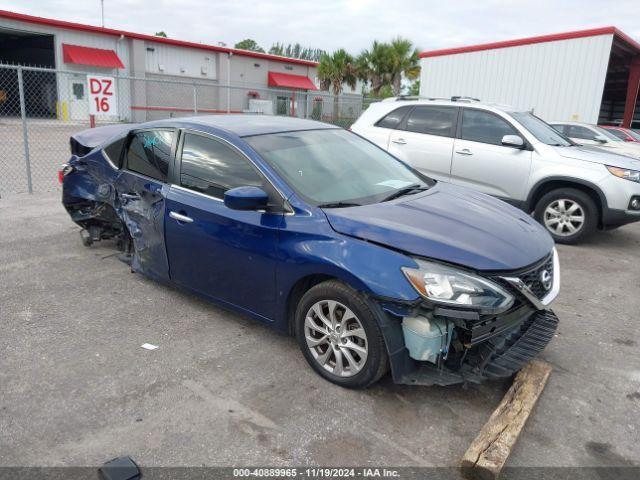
[[339, 335], [569, 215]]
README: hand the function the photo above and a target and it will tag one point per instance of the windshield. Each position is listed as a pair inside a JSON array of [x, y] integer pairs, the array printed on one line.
[[634, 134], [605, 133], [334, 166], [541, 129]]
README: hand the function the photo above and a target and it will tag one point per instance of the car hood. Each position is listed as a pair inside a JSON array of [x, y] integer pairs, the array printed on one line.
[[599, 155], [451, 224]]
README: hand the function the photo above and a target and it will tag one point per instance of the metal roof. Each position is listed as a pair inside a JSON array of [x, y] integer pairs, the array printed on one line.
[[21, 17], [619, 35]]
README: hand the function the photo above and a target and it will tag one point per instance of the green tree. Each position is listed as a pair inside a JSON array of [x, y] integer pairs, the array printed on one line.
[[414, 88], [277, 49], [296, 51], [373, 66], [386, 64], [249, 44], [405, 62], [334, 71], [161, 34]]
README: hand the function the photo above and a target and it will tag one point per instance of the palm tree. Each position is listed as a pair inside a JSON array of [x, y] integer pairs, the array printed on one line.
[[405, 61], [387, 63], [334, 71], [374, 66]]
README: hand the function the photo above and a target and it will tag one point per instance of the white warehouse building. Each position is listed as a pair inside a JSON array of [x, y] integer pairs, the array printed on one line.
[[589, 75]]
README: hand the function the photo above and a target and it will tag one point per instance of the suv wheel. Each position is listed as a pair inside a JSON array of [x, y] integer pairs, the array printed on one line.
[[569, 215], [339, 335]]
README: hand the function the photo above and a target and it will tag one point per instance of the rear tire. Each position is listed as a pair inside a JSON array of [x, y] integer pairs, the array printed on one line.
[[339, 335], [569, 215]]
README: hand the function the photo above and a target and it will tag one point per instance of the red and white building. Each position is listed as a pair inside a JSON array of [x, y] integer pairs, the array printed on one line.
[[588, 75], [77, 49]]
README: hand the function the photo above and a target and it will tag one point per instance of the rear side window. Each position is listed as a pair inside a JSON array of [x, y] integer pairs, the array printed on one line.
[[484, 127], [561, 128], [393, 119], [149, 153], [212, 167], [432, 120], [114, 151]]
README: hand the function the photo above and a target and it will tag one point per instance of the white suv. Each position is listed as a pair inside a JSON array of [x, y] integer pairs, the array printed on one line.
[[512, 155]]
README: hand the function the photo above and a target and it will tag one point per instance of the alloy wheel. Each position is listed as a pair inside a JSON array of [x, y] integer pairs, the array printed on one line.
[[564, 217], [336, 338]]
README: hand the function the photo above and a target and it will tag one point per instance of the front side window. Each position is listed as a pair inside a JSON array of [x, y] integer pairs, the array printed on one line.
[[432, 120], [484, 127], [149, 153], [393, 119], [335, 166], [212, 167]]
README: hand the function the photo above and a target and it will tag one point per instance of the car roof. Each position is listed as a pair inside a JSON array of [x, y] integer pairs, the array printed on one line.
[[242, 125], [377, 110], [463, 102]]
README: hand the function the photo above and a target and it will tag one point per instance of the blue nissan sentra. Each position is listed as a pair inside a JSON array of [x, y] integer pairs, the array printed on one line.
[[322, 235]]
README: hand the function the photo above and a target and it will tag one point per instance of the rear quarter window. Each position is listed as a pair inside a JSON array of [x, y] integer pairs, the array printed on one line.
[[393, 119], [114, 151]]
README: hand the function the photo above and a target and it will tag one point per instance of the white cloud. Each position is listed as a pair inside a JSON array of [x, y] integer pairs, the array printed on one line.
[[352, 24]]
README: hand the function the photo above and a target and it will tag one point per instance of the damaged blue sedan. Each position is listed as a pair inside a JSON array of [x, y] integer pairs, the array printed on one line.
[[322, 235]]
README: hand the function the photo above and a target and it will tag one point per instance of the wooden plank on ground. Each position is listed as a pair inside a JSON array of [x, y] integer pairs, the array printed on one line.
[[489, 451]]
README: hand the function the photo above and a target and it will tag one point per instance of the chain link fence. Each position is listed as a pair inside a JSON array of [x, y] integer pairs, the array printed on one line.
[[41, 108]]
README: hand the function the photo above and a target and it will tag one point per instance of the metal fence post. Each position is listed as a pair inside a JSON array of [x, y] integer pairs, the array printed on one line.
[[25, 135], [195, 99]]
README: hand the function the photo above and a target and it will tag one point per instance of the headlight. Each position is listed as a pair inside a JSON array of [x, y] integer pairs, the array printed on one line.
[[450, 286], [627, 174]]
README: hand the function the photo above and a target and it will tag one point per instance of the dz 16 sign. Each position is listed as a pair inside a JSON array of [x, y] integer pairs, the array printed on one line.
[[102, 96]]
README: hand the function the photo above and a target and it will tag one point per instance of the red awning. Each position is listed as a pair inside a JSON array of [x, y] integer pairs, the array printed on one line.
[[96, 57], [288, 80]]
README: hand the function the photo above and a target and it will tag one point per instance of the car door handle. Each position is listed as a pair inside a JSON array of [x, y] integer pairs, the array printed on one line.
[[181, 218], [464, 151], [130, 196], [400, 141]]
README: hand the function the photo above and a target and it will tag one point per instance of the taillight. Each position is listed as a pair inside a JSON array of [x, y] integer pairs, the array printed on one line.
[[65, 170]]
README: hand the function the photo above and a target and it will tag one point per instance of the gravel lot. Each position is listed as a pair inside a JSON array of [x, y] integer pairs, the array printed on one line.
[[77, 389]]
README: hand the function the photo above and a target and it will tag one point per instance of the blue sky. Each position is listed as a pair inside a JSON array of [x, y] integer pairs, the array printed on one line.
[[352, 24]]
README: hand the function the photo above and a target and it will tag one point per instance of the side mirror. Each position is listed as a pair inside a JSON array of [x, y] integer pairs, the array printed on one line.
[[600, 139], [246, 198], [514, 141]]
